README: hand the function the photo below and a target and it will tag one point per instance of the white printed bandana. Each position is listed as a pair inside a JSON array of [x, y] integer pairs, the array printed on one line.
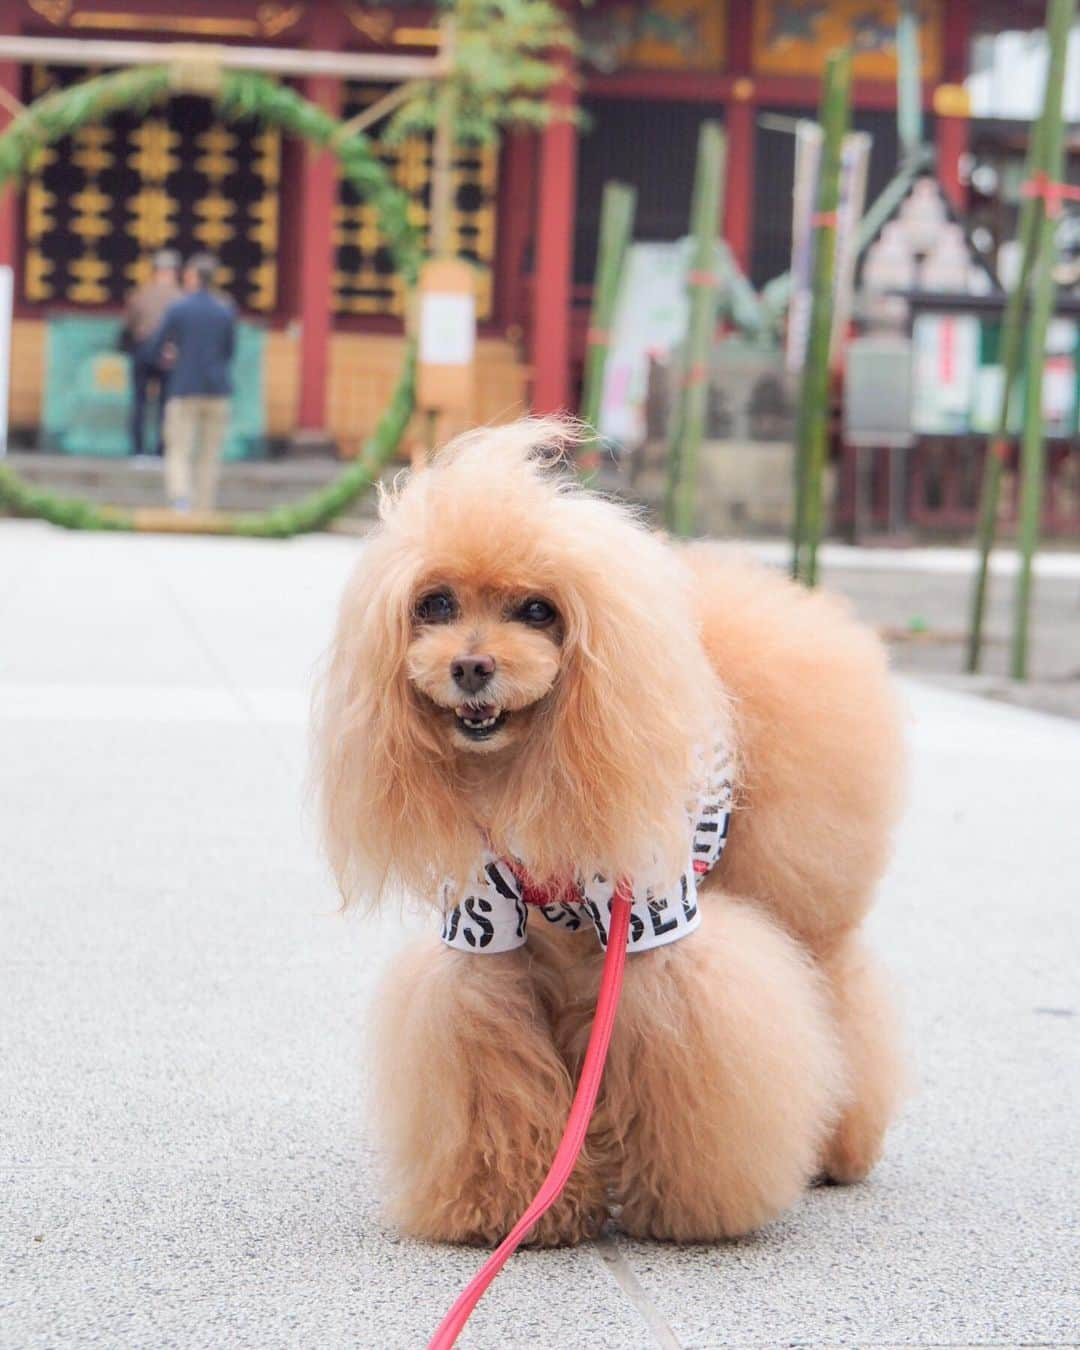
[[493, 914]]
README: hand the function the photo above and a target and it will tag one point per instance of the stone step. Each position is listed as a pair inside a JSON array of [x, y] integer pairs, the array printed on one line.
[[246, 485]]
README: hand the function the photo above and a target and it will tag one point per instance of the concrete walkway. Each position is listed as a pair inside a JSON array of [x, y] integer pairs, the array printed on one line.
[[182, 1154]]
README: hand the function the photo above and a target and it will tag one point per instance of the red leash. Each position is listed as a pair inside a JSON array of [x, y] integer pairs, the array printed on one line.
[[573, 1136]]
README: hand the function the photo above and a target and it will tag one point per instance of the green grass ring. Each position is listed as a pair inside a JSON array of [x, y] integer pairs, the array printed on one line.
[[238, 94]]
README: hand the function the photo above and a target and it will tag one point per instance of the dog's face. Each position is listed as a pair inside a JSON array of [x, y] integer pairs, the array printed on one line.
[[483, 658], [516, 667]]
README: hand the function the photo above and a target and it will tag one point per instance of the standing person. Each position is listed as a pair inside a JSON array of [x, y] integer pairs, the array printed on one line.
[[146, 307], [201, 330]]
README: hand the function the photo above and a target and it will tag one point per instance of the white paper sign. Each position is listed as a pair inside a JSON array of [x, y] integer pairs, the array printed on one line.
[[946, 348], [650, 319], [447, 329], [808, 137]]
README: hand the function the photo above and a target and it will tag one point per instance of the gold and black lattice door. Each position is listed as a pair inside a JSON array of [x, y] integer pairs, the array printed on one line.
[[98, 204], [364, 279]]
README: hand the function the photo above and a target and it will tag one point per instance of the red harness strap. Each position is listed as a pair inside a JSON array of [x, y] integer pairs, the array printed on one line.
[[573, 1135]]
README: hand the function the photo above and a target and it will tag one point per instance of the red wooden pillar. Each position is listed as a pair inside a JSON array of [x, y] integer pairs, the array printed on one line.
[[952, 144], [556, 199], [738, 221], [951, 130], [516, 215], [739, 190], [318, 197]]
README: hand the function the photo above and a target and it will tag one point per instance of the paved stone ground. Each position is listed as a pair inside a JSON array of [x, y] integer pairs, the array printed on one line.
[[919, 599], [182, 1152]]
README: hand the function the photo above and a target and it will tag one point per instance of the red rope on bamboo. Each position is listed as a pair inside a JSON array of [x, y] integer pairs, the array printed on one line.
[[822, 220], [1041, 185]]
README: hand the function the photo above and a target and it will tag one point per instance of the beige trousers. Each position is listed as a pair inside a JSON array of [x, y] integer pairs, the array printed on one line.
[[195, 430]]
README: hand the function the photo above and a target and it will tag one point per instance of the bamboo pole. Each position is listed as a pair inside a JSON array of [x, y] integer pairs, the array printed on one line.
[[11, 104], [382, 107], [807, 245], [688, 427], [814, 390], [1033, 447], [1009, 355], [442, 151], [616, 230]]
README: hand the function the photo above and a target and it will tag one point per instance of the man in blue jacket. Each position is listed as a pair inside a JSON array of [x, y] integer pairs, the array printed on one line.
[[198, 336]]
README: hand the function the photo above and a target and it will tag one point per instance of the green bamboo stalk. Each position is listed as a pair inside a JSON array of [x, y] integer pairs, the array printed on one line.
[[688, 424], [616, 230], [1009, 356], [802, 419], [814, 391], [1033, 447]]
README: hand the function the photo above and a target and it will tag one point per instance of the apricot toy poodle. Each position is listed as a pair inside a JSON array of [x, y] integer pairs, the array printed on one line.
[[531, 695]]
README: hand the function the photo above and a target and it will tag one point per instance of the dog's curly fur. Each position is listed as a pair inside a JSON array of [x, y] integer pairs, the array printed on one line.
[[748, 1058]]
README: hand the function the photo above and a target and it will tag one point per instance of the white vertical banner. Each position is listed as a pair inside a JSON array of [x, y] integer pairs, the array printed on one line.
[[854, 164], [808, 139], [7, 295], [650, 319]]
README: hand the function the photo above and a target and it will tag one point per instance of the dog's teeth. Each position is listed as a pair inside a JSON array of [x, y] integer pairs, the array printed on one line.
[[478, 723]]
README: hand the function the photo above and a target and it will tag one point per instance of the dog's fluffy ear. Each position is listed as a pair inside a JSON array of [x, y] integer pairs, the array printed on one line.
[[387, 800]]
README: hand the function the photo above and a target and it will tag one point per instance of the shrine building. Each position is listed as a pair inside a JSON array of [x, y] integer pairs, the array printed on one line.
[[303, 258]]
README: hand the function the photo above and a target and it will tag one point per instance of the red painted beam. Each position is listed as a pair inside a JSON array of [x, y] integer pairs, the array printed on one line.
[[778, 91], [555, 257]]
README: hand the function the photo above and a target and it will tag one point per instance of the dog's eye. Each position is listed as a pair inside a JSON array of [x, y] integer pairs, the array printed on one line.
[[438, 607], [536, 613]]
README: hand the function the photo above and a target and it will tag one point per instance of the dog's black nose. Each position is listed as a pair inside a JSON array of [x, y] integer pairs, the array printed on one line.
[[471, 673]]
